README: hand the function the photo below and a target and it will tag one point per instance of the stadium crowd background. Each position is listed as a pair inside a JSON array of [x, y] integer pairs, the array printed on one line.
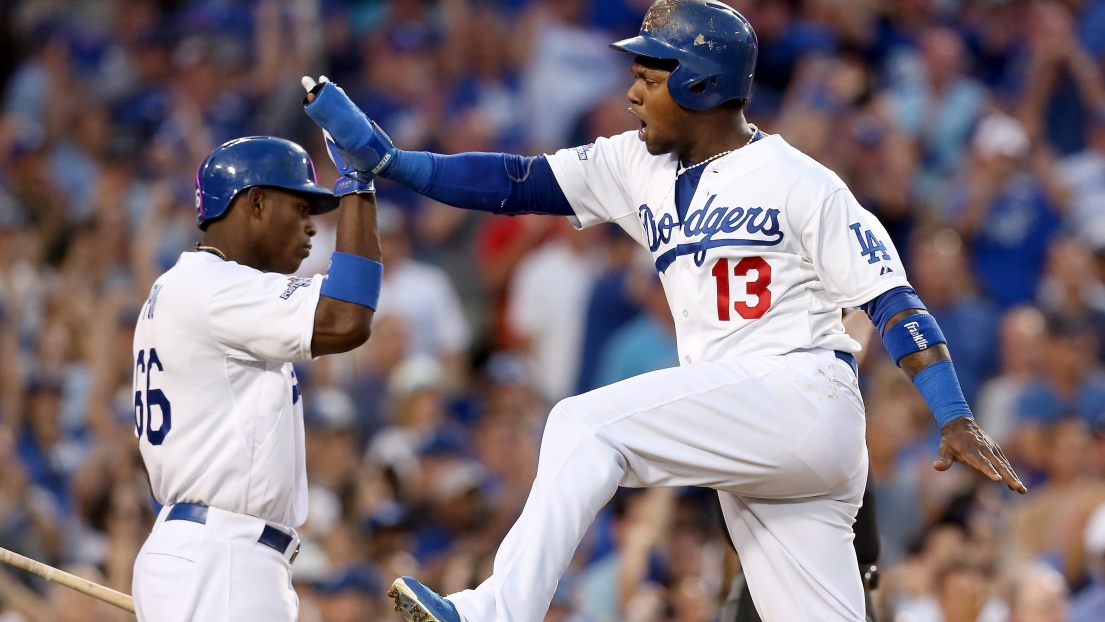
[[975, 129]]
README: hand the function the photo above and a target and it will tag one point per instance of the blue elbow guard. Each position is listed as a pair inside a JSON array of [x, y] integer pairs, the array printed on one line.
[[912, 334], [939, 385], [355, 279]]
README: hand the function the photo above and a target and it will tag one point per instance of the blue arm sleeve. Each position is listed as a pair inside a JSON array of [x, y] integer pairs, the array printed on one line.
[[491, 182], [884, 306]]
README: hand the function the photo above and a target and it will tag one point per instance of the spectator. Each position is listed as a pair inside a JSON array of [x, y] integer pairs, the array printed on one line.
[[939, 273], [1004, 213], [1022, 338], [50, 454], [555, 41], [547, 303], [1039, 594], [423, 296], [1072, 385], [1084, 174], [419, 418], [1089, 602], [646, 343], [611, 306], [351, 596], [1043, 527], [937, 105], [1062, 85]]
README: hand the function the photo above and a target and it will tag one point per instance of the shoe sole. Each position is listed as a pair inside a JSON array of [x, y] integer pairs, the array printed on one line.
[[407, 603]]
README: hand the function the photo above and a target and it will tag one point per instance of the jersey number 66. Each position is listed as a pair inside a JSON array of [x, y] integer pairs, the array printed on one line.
[[143, 406]]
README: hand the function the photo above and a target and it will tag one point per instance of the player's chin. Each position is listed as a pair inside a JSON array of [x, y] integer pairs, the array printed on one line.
[[292, 261], [657, 147]]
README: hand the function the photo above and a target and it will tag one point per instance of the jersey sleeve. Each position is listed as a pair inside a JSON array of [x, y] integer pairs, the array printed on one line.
[[267, 317], [594, 180], [851, 251]]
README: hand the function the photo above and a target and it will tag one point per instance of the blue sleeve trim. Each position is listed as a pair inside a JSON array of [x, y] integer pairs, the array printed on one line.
[[355, 279], [939, 385], [491, 182], [891, 302]]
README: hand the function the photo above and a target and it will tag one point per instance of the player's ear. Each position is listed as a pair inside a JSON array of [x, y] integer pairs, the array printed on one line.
[[256, 198]]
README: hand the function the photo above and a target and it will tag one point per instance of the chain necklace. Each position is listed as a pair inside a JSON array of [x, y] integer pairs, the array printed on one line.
[[211, 249], [684, 169]]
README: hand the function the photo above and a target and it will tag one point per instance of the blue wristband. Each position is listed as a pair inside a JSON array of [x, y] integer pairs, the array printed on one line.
[[939, 385], [912, 334], [355, 279]]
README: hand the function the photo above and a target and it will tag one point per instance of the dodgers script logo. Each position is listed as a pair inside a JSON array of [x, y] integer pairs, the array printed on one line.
[[714, 226]]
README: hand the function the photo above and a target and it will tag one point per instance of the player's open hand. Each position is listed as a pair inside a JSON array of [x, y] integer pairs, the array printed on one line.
[[963, 441]]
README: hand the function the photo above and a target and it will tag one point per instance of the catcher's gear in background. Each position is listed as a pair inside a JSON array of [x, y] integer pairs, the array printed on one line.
[[713, 44], [256, 161]]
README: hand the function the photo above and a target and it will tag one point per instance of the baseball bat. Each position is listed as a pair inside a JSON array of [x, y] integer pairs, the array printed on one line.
[[95, 590]]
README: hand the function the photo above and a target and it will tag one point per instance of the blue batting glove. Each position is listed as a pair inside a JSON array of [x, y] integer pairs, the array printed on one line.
[[350, 180], [364, 146]]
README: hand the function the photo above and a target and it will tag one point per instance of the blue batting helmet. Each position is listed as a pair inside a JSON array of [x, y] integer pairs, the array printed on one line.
[[714, 46], [256, 161]]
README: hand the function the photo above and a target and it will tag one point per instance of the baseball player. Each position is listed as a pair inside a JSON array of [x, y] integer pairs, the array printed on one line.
[[758, 248], [218, 412]]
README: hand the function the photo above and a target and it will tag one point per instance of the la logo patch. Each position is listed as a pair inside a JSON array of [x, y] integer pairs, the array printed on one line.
[[869, 245]]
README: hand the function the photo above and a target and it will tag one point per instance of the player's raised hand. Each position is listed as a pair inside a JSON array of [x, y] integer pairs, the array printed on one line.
[[963, 441], [350, 180], [365, 147]]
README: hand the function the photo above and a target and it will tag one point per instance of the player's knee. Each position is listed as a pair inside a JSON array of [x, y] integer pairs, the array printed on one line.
[[567, 414], [560, 413]]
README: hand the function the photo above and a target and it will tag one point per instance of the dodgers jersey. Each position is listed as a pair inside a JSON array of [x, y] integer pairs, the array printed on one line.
[[218, 413], [772, 247]]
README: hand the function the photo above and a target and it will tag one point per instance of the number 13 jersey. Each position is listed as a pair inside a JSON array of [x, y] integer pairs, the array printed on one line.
[[773, 244]]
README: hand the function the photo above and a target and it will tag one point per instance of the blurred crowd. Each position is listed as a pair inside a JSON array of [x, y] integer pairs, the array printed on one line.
[[974, 129]]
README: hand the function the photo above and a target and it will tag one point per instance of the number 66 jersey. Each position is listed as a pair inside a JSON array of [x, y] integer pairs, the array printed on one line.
[[769, 249], [217, 407]]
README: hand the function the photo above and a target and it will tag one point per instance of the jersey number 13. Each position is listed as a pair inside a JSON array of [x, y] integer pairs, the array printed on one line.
[[756, 288], [144, 401]]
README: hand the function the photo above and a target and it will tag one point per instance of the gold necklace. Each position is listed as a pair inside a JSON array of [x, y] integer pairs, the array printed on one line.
[[684, 169], [211, 249]]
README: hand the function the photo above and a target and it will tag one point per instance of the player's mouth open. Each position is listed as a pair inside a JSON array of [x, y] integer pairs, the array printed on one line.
[[641, 132]]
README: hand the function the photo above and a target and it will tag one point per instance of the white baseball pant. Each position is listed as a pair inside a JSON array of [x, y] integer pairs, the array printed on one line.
[[781, 438], [214, 572]]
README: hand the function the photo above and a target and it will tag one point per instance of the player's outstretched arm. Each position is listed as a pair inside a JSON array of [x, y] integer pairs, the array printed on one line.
[[930, 368], [352, 287], [493, 182]]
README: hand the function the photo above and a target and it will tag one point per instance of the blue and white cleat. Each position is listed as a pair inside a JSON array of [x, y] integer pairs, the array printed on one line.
[[419, 603]]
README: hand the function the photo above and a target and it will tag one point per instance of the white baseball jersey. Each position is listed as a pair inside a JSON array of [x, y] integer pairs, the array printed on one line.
[[772, 247], [218, 412]]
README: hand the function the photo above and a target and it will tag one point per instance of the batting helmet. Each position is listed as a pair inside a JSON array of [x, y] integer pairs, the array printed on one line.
[[256, 161], [714, 46]]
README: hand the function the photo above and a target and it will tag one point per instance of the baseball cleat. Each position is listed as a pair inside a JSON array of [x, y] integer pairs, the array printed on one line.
[[419, 603]]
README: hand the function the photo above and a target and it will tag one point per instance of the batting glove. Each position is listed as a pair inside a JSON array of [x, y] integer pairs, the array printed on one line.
[[364, 147]]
